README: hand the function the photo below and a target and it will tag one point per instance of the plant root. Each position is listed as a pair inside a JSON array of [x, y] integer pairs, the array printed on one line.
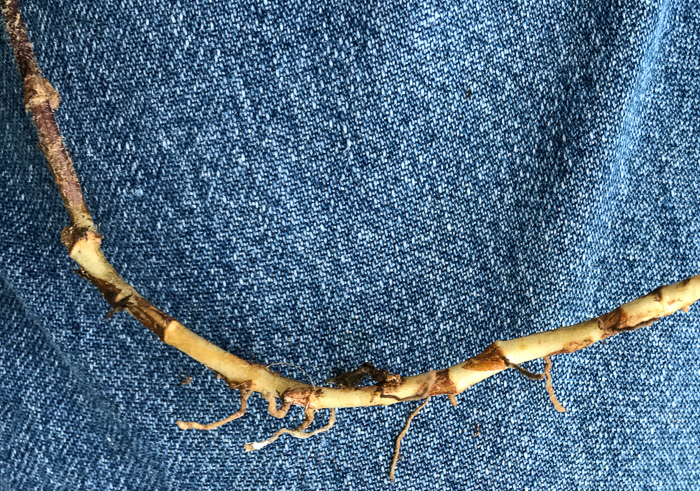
[[524, 372], [397, 448], [546, 375], [82, 239], [299, 432], [272, 408], [548, 384], [193, 425]]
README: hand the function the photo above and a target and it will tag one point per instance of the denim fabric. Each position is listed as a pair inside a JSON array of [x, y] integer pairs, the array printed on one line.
[[323, 184]]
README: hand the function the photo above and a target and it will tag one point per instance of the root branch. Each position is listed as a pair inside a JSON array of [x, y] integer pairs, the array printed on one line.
[[548, 384], [526, 373], [272, 408], [299, 432], [397, 448], [193, 425]]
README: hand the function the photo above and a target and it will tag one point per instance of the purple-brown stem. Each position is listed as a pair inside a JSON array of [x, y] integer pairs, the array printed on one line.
[[41, 99]]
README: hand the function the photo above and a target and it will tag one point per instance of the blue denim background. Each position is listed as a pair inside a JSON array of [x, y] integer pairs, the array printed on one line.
[[325, 183]]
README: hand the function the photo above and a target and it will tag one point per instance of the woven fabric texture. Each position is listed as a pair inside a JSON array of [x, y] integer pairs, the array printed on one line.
[[327, 183]]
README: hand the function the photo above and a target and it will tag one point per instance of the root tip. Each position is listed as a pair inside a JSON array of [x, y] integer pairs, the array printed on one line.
[[253, 446]]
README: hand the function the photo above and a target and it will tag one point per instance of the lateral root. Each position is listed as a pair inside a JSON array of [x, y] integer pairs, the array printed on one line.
[[548, 384], [272, 408], [299, 432], [526, 373], [397, 448], [193, 425]]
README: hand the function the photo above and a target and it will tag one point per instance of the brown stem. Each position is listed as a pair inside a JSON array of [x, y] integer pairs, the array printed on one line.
[[81, 238], [41, 99]]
